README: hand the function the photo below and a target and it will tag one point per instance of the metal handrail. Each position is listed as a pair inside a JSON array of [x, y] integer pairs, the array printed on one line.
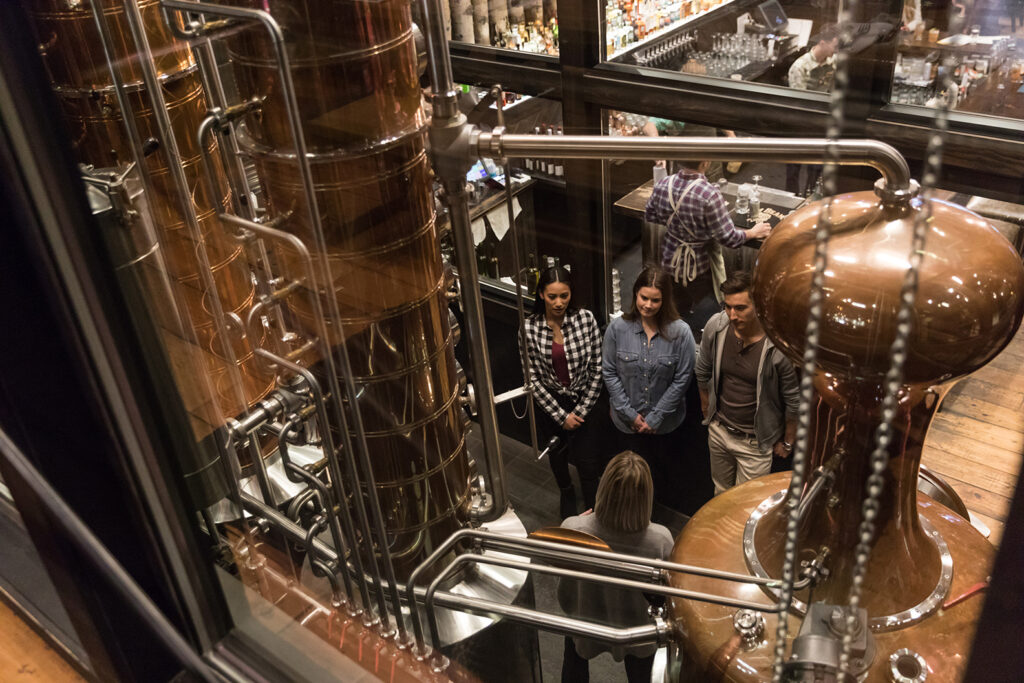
[[578, 555]]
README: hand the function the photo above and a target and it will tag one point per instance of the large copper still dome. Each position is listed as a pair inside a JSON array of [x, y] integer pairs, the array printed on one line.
[[969, 304]]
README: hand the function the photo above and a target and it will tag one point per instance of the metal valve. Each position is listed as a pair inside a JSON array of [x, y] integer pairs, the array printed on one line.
[[750, 625]]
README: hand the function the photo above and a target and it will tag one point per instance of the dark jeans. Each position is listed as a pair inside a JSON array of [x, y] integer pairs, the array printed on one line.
[[575, 669], [696, 302], [586, 447], [658, 451]]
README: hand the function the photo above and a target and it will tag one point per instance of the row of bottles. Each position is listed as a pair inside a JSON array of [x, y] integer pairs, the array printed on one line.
[[527, 25], [630, 21], [536, 37], [488, 265], [541, 166]]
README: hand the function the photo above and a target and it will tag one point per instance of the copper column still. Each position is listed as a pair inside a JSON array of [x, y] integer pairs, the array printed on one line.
[[85, 82], [356, 84], [969, 304]]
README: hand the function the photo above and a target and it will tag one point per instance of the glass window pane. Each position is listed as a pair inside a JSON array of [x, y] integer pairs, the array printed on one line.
[[525, 25], [774, 42], [536, 182], [979, 55], [637, 235]]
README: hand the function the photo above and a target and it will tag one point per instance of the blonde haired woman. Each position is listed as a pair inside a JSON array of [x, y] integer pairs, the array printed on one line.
[[621, 518]]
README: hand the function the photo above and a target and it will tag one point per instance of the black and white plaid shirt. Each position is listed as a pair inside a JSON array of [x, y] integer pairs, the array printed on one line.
[[582, 341]]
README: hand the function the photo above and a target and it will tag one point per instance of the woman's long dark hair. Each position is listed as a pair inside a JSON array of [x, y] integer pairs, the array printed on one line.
[[547, 276], [652, 276]]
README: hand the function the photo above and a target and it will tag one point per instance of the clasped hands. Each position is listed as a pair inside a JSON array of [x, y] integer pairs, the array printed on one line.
[[640, 425]]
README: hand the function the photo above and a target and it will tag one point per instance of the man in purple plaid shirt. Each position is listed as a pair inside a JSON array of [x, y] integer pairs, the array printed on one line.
[[698, 224]]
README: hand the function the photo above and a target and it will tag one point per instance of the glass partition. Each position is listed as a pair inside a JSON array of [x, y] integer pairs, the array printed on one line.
[[525, 25], [978, 51], [772, 42], [751, 193], [537, 189]]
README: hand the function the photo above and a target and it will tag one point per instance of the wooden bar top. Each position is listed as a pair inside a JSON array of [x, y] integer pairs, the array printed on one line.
[[774, 203], [995, 95]]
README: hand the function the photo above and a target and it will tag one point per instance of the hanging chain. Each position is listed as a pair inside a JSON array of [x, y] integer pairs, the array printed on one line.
[[812, 336], [898, 350]]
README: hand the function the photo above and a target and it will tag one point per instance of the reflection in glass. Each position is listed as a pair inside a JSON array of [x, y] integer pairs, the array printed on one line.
[[981, 54], [526, 25]]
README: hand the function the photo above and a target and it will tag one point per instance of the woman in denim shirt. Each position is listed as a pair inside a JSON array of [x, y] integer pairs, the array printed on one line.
[[647, 363]]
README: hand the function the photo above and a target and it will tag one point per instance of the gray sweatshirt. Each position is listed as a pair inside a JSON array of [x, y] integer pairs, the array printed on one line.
[[778, 392]]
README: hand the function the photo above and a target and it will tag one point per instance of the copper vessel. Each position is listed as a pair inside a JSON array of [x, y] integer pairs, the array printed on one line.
[[72, 49], [354, 69], [969, 304]]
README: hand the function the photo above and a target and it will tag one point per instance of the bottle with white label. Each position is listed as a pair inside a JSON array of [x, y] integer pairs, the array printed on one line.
[[743, 206], [549, 167], [559, 167]]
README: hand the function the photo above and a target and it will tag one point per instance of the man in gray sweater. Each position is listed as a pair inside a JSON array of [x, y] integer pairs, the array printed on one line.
[[748, 391]]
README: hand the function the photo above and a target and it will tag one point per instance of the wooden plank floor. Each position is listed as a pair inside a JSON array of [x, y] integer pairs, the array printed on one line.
[[24, 656], [976, 440]]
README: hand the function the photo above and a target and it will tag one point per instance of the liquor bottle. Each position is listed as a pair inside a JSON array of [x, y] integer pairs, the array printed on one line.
[[533, 274], [550, 166], [483, 264], [559, 167], [539, 163]]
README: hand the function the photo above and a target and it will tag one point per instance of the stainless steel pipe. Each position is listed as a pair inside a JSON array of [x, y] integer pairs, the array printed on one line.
[[499, 101], [569, 554], [656, 588], [878, 155], [634, 635], [176, 165], [473, 307]]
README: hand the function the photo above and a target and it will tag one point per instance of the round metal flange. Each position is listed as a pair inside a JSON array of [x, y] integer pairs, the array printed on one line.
[[890, 195], [889, 622], [906, 666]]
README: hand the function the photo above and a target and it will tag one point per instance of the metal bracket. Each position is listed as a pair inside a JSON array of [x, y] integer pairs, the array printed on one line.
[[450, 150]]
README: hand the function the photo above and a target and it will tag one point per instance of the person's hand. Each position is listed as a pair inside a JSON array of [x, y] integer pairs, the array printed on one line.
[[759, 231], [780, 450], [572, 421], [640, 426], [639, 423]]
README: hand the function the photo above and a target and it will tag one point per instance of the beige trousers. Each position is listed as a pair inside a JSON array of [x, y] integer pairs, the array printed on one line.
[[734, 459]]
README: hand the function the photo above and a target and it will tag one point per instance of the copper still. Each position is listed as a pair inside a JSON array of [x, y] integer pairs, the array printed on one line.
[[84, 81], [354, 70], [969, 304]]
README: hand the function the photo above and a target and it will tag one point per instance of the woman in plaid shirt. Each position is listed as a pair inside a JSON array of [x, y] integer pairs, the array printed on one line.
[[563, 345]]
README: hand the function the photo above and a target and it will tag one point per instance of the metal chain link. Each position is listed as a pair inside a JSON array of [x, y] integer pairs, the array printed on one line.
[[898, 353], [812, 336]]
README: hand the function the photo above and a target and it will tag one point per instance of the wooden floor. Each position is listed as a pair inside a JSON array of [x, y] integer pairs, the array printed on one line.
[[24, 656], [976, 440]]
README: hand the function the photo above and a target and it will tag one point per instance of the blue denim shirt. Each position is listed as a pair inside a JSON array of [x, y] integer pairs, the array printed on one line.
[[644, 378]]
